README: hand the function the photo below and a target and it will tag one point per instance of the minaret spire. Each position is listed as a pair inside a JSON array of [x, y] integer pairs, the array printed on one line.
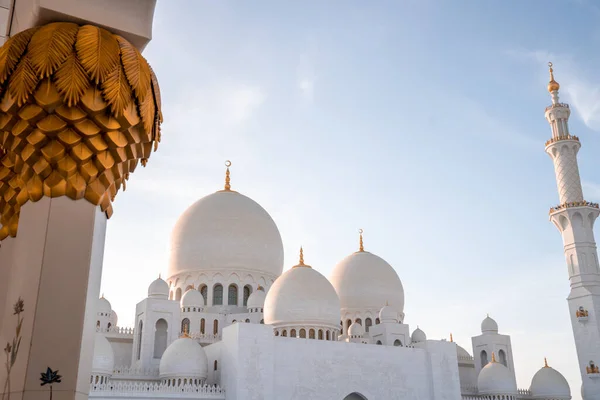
[[574, 217]]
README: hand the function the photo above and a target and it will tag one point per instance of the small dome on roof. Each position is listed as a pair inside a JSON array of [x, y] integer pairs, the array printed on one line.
[[103, 362], [103, 305], [356, 329], [184, 358], [462, 353], [388, 314], [495, 378], [548, 383], [488, 325], [159, 289], [418, 336], [192, 298], [257, 298]]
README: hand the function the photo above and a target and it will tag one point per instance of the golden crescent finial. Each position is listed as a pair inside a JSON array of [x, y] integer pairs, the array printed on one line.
[[552, 85], [301, 261], [545, 360], [361, 247], [227, 178], [493, 357], [451, 339]]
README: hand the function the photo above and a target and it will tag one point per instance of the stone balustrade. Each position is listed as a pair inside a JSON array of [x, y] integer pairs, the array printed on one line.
[[562, 105], [116, 331], [564, 137], [123, 371], [143, 389], [572, 204]]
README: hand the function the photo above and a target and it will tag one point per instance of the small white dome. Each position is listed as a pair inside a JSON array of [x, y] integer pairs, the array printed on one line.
[[226, 231], [495, 378], [159, 289], [365, 281], [388, 314], [461, 352], [418, 336], [114, 318], [488, 325], [104, 358], [104, 306], [184, 358], [257, 298], [302, 295], [356, 329], [192, 298], [548, 383]]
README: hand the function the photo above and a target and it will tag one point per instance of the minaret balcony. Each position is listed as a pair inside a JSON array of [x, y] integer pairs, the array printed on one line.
[[573, 204], [563, 105], [560, 138]]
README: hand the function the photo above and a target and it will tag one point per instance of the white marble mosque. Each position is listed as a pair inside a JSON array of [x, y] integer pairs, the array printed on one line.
[[228, 323]]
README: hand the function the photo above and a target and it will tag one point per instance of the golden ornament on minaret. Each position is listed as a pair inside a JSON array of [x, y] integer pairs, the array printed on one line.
[[79, 107]]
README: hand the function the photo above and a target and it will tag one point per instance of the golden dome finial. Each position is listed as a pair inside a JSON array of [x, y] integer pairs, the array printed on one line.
[[493, 357], [301, 261], [185, 333], [552, 85], [227, 178], [451, 339], [546, 363], [361, 247]]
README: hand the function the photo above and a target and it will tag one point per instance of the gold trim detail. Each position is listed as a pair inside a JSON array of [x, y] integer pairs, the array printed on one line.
[[361, 246], [79, 107], [301, 260], [552, 85]]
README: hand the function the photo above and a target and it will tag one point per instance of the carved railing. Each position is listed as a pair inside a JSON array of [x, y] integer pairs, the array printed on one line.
[[563, 137], [123, 371], [468, 389], [143, 389], [563, 105], [572, 204], [524, 392], [204, 337], [116, 331], [465, 358]]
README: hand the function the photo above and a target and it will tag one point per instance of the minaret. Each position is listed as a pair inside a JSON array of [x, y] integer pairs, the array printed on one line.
[[574, 217]]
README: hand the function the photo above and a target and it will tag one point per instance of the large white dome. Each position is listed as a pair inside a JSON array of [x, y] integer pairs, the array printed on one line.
[[365, 281], [548, 383], [495, 378], [226, 231], [302, 296], [184, 358], [103, 362]]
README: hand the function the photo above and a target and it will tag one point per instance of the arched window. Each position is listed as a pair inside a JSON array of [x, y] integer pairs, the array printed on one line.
[[368, 324], [215, 365], [204, 292], [234, 321], [484, 358], [303, 333], [358, 321], [178, 294], [215, 327], [293, 333], [108, 326], [247, 293], [97, 324], [341, 327], [276, 333], [171, 295], [139, 343], [189, 287], [262, 321], [502, 357], [247, 320], [218, 295], [202, 326], [160, 338], [185, 326], [311, 334], [284, 333], [348, 323], [327, 335], [232, 295], [397, 342], [379, 343], [377, 321]]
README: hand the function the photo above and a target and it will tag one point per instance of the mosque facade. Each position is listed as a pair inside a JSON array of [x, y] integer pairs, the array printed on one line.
[[228, 323]]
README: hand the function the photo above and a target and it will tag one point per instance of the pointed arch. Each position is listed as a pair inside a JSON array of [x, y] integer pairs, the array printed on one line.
[[160, 337], [502, 357], [247, 293], [217, 295], [139, 342], [232, 295], [484, 358]]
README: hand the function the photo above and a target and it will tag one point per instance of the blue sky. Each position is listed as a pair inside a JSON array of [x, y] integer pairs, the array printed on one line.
[[420, 121]]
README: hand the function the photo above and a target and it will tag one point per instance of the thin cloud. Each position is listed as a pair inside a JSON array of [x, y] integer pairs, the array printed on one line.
[[306, 72]]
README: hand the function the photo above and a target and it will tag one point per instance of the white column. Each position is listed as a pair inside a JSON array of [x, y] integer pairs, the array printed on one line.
[[57, 265]]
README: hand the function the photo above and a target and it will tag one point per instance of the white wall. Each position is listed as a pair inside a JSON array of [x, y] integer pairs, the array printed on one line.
[[257, 364]]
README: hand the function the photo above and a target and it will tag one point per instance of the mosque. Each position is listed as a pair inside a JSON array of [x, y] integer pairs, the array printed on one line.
[[228, 323]]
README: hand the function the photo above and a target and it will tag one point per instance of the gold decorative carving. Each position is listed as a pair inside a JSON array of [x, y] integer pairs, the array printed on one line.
[[560, 138], [581, 312], [301, 260], [573, 204], [79, 107]]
